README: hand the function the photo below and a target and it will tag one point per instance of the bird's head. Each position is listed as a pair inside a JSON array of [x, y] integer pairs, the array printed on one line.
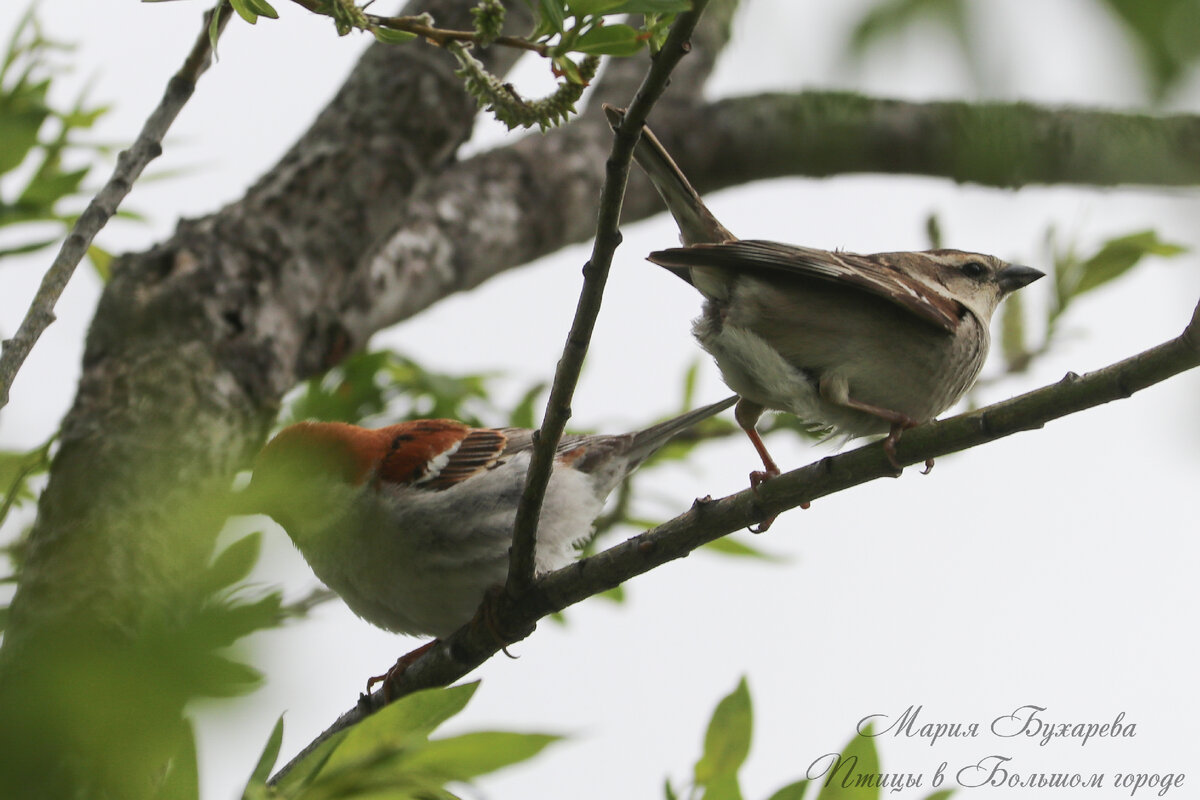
[[308, 476], [979, 282]]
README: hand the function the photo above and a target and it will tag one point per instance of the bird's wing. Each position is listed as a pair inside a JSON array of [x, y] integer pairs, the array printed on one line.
[[575, 449], [448, 453], [876, 275]]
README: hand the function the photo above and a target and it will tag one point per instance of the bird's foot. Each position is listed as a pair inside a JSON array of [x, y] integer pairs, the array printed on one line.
[[402, 664], [489, 615], [758, 478], [899, 426]]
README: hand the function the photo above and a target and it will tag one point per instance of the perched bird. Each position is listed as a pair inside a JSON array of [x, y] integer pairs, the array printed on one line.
[[852, 344], [411, 524]]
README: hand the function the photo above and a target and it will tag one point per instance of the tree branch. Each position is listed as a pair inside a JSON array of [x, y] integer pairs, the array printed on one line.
[[709, 519], [1007, 145], [130, 163], [595, 276]]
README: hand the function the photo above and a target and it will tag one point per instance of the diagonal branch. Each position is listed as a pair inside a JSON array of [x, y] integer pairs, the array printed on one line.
[[130, 163], [709, 519], [595, 272]]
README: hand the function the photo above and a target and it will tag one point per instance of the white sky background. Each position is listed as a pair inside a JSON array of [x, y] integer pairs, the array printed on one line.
[[1053, 568]]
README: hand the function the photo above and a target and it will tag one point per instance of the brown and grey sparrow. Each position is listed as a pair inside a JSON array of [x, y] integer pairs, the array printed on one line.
[[852, 344]]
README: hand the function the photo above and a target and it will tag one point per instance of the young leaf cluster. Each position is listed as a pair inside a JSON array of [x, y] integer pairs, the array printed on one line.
[[36, 139], [384, 383], [1073, 275], [727, 744], [391, 755], [571, 34], [1165, 33]]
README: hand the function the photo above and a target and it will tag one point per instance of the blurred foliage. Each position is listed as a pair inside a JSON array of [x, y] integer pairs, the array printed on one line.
[[1073, 275], [390, 754], [18, 469], [1167, 36], [113, 698], [36, 141], [853, 774], [1165, 33], [386, 383], [888, 18]]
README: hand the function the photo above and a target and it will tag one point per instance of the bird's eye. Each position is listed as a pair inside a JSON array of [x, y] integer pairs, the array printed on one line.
[[974, 269]]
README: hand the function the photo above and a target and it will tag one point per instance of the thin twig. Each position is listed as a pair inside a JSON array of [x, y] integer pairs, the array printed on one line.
[[442, 36], [608, 236], [418, 25], [708, 519], [130, 164]]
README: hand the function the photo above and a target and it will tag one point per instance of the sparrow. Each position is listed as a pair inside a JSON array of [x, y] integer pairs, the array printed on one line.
[[853, 345], [411, 523]]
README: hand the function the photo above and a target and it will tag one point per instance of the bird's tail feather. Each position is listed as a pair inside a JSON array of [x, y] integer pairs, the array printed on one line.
[[696, 223], [647, 441]]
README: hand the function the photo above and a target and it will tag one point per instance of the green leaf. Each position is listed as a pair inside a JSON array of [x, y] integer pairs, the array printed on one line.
[[464, 757], [16, 470], [1012, 333], [651, 7], [28, 247], [214, 26], [234, 563], [305, 773], [727, 742], [892, 16], [522, 415], [569, 69], [18, 132], [101, 261], [1167, 32], [614, 595], [401, 724], [723, 787], [1118, 255], [551, 18], [793, 791], [182, 774], [944, 794], [729, 546], [270, 753], [610, 40], [858, 757], [581, 8], [243, 9], [392, 36], [262, 8]]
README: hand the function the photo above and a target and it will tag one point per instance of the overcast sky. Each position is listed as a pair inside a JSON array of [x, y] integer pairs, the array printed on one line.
[[1053, 568]]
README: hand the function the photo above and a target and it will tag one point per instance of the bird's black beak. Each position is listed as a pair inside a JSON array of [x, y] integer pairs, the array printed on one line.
[[1014, 276]]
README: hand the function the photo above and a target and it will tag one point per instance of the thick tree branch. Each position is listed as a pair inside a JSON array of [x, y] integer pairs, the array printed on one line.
[[709, 519], [130, 163], [595, 276], [499, 222], [1006, 145]]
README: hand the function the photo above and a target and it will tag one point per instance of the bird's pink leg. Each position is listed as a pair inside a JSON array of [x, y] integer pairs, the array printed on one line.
[[747, 413], [402, 663]]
